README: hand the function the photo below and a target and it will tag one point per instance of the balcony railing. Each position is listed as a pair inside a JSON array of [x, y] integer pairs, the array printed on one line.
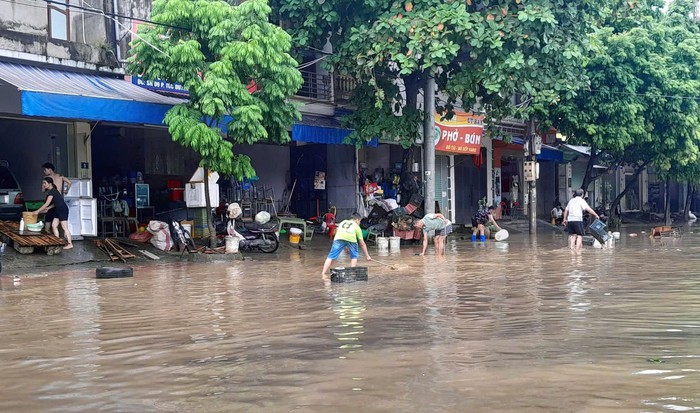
[[343, 87], [316, 86]]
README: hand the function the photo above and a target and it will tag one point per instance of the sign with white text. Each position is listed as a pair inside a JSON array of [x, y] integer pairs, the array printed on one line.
[[461, 134]]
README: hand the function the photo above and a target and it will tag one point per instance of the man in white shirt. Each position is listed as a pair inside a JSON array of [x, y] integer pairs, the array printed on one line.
[[573, 219]]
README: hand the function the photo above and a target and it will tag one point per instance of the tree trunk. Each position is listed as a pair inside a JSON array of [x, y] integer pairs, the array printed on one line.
[[588, 177], [616, 201], [688, 200], [667, 203], [532, 185], [207, 203], [428, 144]]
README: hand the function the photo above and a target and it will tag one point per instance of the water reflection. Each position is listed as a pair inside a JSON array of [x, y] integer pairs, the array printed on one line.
[[525, 325]]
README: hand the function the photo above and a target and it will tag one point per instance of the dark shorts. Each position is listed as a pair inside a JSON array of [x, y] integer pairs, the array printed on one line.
[[444, 232], [50, 215], [575, 228], [60, 213]]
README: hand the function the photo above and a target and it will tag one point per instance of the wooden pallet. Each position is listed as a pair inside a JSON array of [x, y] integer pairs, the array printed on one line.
[[113, 250], [26, 242]]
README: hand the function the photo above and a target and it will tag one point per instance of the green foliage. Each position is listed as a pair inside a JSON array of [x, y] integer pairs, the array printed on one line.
[[487, 50], [641, 107], [216, 51]]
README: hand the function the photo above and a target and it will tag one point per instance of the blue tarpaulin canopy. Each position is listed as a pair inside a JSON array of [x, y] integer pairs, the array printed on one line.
[[547, 153], [61, 94], [318, 129]]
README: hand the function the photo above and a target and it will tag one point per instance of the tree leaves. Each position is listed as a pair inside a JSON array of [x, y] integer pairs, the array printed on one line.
[[216, 50]]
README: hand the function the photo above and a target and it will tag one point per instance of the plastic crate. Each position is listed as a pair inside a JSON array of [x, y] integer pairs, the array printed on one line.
[[348, 274], [597, 230]]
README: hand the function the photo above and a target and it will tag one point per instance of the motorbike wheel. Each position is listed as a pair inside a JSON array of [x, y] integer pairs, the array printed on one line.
[[270, 248]]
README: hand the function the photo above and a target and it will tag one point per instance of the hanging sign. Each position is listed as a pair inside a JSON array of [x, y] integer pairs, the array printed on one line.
[[461, 134]]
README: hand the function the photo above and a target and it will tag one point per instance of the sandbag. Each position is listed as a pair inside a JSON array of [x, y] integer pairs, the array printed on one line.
[[161, 235]]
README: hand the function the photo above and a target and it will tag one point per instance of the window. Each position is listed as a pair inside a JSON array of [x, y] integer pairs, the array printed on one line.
[[59, 24]]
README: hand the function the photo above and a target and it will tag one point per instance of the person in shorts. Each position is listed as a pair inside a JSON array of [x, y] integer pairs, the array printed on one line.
[[442, 227], [348, 234], [573, 219], [55, 202], [483, 223]]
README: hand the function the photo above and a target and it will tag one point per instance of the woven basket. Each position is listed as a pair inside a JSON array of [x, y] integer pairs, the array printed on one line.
[[29, 218]]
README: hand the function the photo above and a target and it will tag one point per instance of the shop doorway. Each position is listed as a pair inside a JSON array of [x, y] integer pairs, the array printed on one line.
[[305, 161]]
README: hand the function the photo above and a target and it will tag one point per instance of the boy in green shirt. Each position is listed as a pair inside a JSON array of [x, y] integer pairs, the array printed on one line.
[[347, 235]]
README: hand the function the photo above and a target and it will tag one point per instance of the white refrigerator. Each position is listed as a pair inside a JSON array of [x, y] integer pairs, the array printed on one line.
[[82, 215]]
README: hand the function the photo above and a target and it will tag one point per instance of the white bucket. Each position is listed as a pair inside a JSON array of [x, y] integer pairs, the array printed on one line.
[[616, 235], [501, 235], [294, 235], [383, 244], [395, 244], [232, 244]]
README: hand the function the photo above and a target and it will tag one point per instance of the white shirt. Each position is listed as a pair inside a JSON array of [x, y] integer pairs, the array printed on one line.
[[576, 206]]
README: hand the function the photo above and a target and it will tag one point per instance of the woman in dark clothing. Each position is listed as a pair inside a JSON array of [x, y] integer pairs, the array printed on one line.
[[59, 210]]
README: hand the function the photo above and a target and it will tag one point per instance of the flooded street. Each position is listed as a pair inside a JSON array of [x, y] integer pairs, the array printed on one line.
[[496, 327]]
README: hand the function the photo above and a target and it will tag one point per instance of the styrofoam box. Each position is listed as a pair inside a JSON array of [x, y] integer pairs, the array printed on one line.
[[195, 198]]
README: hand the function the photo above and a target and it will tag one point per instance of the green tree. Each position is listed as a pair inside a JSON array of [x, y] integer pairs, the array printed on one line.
[[237, 69], [640, 108], [475, 49]]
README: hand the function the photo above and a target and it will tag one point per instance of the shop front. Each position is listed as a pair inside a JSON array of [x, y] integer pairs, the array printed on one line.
[[462, 165], [106, 133]]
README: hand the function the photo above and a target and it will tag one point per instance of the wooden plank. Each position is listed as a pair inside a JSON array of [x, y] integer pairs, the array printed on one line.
[[149, 255], [10, 229]]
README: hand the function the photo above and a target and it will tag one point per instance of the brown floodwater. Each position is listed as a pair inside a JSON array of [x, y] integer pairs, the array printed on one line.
[[519, 326]]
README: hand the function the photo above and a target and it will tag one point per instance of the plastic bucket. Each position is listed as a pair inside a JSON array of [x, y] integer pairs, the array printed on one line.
[[383, 244], [294, 235], [395, 244], [502, 235], [29, 218], [616, 235], [177, 194], [232, 244]]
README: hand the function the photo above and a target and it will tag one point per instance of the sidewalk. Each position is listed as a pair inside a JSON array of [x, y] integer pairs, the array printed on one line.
[[85, 255]]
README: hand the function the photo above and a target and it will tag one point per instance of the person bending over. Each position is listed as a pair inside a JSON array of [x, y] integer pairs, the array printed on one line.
[[348, 234]]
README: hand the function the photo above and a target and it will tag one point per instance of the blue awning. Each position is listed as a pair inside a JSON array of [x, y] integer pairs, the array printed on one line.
[[327, 130], [61, 94], [547, 153]]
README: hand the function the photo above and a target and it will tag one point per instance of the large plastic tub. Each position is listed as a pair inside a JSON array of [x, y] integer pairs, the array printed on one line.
[[597, 230]]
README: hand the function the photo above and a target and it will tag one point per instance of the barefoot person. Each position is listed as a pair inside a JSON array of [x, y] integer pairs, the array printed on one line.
[[348, 234], [573, 219], [61, 183], [442, 227], [56, 209]]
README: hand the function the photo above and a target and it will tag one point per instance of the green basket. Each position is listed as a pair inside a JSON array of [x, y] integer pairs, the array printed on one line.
[[33, 205]]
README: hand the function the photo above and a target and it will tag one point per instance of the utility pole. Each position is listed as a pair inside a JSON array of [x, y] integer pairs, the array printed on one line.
[[533, 146], [429, 142]]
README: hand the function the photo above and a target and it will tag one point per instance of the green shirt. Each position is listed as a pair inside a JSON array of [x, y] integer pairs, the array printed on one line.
[[349, 231]]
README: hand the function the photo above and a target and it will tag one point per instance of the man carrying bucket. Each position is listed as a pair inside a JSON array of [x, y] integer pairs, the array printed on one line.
[[348, 234]]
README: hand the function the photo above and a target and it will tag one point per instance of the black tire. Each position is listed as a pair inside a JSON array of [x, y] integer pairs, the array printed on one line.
[[114, 272], [269, 249]]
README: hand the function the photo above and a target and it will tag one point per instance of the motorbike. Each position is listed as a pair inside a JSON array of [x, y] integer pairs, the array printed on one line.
[[260, 235], [257, 237]]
